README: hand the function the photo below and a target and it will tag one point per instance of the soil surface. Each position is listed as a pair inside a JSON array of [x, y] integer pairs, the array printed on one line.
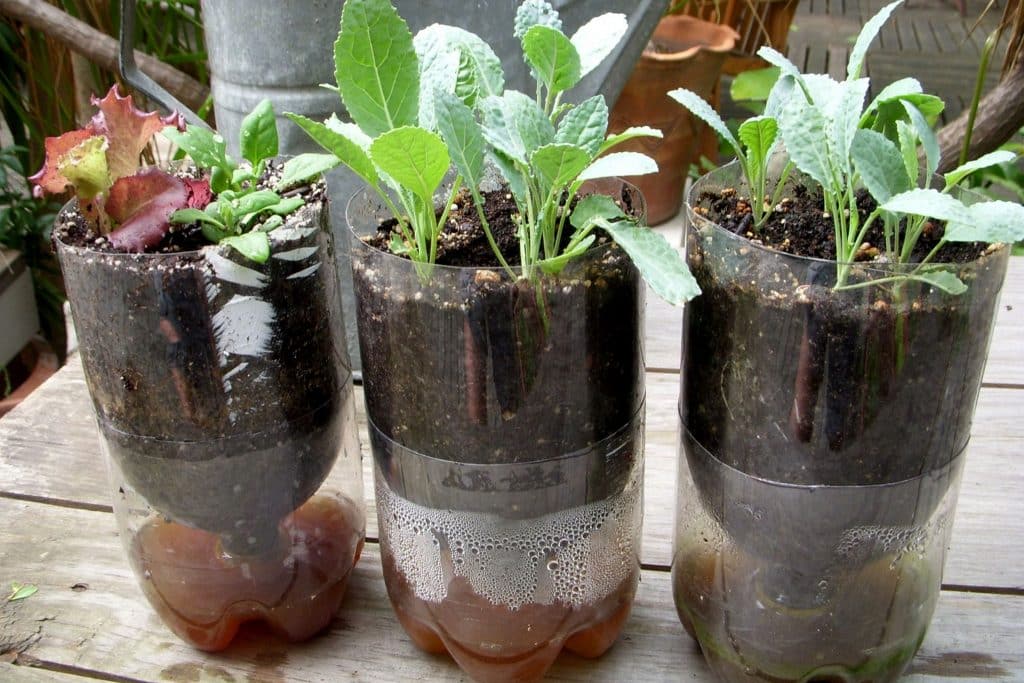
[[72, 227], [462, 241], [800, 226]]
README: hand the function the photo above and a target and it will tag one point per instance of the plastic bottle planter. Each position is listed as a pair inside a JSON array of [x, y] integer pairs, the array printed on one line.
[[224, 398], [824, 434], [506, 426]]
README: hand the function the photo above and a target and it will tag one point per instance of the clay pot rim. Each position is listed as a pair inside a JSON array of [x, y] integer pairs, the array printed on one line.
[[720, 38]]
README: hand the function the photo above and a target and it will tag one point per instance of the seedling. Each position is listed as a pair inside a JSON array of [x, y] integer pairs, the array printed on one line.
[[843, 146], [134, 207], [422, 105]]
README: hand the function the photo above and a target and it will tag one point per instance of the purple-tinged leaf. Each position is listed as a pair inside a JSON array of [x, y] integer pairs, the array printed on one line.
[[143, 204]]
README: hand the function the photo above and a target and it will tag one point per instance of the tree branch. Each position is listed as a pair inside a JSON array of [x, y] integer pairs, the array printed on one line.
[[1000, 115], [100, 48]]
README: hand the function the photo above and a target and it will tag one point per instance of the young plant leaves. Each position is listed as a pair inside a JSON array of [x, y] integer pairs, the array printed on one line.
[[995, 221], [659, 264], [552, 57], [558, 164], [254, 245], [955, 176], [459, 129], [258, 134], [585, 125], [346, 150], [535, 13], [301, 168], [414, 158], [376, 67], [515, 125], [879, 164], [758, 134], [866, 37], [698, 107], [597, 38], [619, 164]]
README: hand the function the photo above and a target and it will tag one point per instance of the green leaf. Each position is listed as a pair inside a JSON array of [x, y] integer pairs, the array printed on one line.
[[287, 206], [256, 201], [941, 279], [552, 57], [754, 85], [996, 221], [254, 245], [195, 216], [895, 91], [439, 71], [376, 67], [85, 167], [866, 37], [658, 262], [619, 164], [804, 130], [846, 118], [515, 125], [585, 125], [558, 164], [628, 134], [477, 69], [984, 161], [776, 58], [258, 134], [415, 158], [705, 112], [21, 591], [533, 13], [207, 148], [301, 168], [597, 38], [463, 135], [929, 203], [880, 165], [908, 139], [555, 264], [346, 150], [929, 142], [758, 134]]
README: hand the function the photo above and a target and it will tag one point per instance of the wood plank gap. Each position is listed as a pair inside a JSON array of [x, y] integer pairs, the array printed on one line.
[[90, 674], [655, 567], [57, 502], [668, 371], [984, 590], [1001, 385]]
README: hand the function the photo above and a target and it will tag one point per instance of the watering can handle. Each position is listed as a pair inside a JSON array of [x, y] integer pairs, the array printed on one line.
[[140, 81]]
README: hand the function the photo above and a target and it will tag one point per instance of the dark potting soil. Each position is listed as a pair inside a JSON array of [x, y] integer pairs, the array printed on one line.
[[206, 411], [800, 226], [530, 369], [787, 379]]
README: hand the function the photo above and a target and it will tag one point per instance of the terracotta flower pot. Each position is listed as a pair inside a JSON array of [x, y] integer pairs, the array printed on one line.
[[684, 52]]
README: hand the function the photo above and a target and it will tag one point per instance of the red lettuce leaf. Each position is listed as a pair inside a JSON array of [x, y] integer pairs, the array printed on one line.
[[199, 193], [143, 204], [128, 129], [49, 179]]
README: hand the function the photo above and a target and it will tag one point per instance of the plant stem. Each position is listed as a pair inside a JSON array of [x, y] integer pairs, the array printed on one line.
[[979, 85]]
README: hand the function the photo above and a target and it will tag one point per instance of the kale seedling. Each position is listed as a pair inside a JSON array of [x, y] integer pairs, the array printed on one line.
[[421, 105], [843, 146]]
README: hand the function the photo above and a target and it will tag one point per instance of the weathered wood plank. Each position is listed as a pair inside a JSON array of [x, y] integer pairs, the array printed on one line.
[[109, 628], [26, 673]]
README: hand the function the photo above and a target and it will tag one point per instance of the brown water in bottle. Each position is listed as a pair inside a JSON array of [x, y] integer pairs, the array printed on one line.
[[205, 594]]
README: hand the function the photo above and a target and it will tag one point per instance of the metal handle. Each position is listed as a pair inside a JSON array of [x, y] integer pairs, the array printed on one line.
[[137, 79]]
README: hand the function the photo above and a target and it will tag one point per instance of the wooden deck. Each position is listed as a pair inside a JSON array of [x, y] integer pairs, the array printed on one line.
[[89, 619], [926, 39]]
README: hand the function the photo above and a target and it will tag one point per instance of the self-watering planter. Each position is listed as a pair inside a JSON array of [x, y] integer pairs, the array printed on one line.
[[506, 426], [823, 434], [223, 393]]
